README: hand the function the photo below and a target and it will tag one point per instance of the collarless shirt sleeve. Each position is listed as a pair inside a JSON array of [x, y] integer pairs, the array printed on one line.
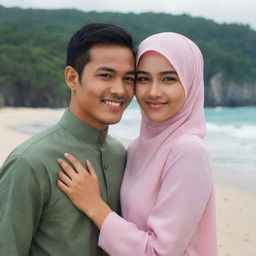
[[21, 202]]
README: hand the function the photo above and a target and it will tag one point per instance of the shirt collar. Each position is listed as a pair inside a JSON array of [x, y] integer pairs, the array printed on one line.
[[82, 130]]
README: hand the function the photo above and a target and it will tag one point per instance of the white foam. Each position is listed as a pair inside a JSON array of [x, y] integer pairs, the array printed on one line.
[[218, 109], [242, 131]]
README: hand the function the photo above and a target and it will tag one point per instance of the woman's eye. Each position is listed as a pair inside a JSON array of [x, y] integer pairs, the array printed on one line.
[[169, 79]]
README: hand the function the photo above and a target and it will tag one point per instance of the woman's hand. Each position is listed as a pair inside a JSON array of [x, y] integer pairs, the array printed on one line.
[[81, 185]]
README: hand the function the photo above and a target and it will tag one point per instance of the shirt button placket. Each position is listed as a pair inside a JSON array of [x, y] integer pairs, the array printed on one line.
[[109, 202], [105, 167], [101, 139]]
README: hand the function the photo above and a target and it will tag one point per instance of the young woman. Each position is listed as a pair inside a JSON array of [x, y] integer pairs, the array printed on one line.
[[167, 193]]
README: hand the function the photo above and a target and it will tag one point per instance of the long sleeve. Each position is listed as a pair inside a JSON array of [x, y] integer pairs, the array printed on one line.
[[181, 202], [21, 204]]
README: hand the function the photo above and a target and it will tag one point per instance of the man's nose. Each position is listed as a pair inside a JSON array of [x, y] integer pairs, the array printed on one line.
[[118, 88]]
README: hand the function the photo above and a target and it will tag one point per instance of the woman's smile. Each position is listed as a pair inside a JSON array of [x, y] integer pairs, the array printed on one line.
[[156, 105]]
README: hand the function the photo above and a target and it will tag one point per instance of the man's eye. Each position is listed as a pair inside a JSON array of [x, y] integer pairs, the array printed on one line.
[[130, 79], [142, 79], [105, 75]]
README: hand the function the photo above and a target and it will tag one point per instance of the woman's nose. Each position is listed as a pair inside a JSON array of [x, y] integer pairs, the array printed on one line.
[[155, 90]]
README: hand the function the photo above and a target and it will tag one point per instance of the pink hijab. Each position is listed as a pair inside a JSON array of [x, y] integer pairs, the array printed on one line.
[[187, 59]]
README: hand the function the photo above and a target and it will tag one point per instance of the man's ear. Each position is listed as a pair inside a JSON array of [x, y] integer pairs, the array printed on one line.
[[71, 77]]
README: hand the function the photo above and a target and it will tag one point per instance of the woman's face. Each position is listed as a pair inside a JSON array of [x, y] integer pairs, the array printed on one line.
[[158, 88]]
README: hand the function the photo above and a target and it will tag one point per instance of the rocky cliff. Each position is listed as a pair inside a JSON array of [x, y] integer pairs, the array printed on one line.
[[221, 92]]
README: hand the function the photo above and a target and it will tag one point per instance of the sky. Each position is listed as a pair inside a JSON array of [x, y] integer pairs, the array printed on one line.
[[229, 11]]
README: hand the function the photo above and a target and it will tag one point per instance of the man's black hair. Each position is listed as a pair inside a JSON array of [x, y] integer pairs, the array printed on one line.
[[78, 51]]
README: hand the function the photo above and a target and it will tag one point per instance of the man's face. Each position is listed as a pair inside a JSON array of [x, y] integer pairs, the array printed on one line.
[[106, 86]]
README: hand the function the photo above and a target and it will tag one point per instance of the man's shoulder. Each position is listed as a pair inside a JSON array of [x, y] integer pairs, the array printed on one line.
[[35, 144]]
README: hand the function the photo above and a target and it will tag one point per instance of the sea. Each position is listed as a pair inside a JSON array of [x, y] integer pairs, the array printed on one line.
[[230, 139]]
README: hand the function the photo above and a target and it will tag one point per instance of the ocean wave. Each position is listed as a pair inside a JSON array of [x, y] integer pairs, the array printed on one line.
[[239, 131]]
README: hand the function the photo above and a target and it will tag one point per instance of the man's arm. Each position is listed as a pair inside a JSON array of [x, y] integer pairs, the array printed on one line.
[[21, 203]]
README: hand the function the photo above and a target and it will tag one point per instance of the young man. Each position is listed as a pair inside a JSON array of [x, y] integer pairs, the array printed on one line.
[[36, 218]]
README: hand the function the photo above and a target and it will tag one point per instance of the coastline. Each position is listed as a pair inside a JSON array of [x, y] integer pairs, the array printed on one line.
[[235, 204]]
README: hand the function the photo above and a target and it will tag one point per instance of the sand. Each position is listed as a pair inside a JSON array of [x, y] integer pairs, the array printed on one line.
[[10, 118], [235, 207], [236, 221]]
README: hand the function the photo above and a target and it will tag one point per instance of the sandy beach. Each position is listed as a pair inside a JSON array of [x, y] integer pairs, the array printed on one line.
[[236, 207]]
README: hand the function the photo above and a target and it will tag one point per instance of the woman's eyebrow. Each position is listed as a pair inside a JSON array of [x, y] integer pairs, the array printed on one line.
[[161, 73], [168, 72]]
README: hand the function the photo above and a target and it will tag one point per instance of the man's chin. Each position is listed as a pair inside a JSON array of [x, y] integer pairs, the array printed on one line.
[[111, 121]]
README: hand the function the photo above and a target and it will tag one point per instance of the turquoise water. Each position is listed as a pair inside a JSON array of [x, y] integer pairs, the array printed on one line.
[[234, 116], [231, 137]]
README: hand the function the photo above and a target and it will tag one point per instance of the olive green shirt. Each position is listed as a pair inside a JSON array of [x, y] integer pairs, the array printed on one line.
[[36, 218]]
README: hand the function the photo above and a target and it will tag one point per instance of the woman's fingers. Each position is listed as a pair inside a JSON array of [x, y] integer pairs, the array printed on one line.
[[63, 186], [64, 178], [80, 185], [67, 168], [75, 171], [75, 162], [91, 169]]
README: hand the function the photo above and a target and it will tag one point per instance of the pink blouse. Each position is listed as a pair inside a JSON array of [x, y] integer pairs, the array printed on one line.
[[167, 210]]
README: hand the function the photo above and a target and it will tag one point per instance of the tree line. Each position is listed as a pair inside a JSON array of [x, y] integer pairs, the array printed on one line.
[[33, 49]]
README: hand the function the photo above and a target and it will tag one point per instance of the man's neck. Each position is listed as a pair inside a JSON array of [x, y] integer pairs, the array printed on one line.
[[86, 120]]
